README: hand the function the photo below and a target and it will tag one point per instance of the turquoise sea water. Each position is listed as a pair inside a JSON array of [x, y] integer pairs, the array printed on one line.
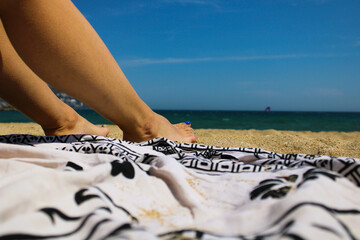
[[296, 121]]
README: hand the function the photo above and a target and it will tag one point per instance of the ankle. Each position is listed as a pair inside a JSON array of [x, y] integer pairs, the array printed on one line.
[[66, 122], [143, 129]]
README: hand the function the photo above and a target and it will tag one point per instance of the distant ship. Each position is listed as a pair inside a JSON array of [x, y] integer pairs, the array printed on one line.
[[267, 109]]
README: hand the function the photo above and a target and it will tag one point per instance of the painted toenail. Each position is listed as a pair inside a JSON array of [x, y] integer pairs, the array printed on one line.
[[188, 122], [102, 125]]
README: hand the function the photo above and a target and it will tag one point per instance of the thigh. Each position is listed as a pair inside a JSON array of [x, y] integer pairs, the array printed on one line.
[[4, 4]]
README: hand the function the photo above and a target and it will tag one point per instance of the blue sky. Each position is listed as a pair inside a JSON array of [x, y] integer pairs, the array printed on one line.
[[301, 55]]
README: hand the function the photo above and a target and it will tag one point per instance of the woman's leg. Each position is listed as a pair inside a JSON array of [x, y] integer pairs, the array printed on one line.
[[60, 46], [27, 92]]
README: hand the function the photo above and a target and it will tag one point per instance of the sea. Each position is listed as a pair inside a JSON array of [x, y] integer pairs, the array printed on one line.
[[278, 120]]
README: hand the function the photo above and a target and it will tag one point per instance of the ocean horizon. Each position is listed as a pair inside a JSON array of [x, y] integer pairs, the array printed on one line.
[[225, 119]]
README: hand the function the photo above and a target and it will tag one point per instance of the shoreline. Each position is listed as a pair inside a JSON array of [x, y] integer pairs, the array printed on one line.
[[339, 144]]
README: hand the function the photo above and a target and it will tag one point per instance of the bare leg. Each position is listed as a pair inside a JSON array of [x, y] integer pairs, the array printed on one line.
[[61, 47], [27, 92]]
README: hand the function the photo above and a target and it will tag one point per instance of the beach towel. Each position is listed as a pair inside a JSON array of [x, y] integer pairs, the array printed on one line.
[[92, 187]]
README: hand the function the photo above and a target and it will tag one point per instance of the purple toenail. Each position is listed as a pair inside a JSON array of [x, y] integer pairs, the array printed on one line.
[[188, 122]]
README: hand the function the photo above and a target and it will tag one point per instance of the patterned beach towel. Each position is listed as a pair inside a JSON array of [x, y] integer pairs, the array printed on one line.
[[91, 187]]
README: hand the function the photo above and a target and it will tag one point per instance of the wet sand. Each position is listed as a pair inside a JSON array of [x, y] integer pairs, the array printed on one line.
[[346, 144]]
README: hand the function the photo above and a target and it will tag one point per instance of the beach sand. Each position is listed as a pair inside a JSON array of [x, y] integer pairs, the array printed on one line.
[[345, 144]]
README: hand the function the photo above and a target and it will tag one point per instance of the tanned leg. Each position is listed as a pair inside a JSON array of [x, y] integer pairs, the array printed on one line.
[[60, 46], [23, 89]]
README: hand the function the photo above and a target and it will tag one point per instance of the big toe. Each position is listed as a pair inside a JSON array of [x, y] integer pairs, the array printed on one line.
[[103, 131], [186, 131]]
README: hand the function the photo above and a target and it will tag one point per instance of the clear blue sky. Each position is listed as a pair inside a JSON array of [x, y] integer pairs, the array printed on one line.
[[301, 55]]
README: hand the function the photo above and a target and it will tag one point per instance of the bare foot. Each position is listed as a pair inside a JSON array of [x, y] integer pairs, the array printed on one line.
[[79, 125], [161, 127]]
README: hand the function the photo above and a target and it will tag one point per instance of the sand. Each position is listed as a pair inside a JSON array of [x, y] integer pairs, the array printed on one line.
[[346, 144]]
